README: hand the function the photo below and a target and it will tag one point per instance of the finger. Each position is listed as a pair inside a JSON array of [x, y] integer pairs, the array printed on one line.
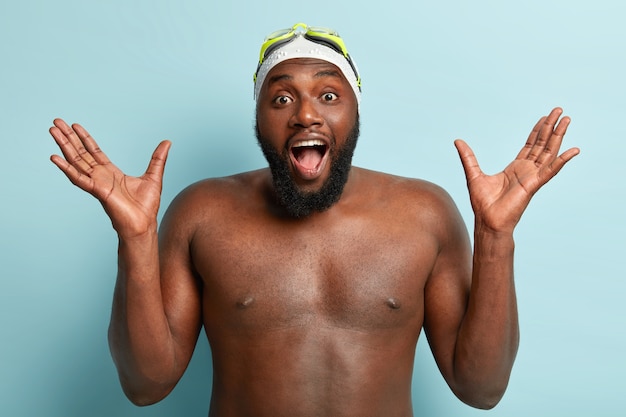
[[71, 146], [532, 138], [551, 149], [468, 160], [91, 145], [545, 131], [156, 168], [79, 179], [69, 151], [555, 166]]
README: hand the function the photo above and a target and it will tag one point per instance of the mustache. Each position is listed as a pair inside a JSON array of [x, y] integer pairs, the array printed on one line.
[[295, 202]]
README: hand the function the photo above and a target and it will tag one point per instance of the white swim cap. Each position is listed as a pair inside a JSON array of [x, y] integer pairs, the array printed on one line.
[[300, 47]]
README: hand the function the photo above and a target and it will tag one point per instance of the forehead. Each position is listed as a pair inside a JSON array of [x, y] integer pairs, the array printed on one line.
[[304, 63], [292, 69]]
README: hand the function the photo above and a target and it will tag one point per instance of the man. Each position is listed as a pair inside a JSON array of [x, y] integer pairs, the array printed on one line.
[[312, 279]]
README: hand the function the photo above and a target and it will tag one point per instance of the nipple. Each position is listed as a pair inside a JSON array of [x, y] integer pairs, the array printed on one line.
[[245, 303], [393, 303]]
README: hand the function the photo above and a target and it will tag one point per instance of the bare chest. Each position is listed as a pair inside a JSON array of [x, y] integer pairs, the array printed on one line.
[[349, 276]]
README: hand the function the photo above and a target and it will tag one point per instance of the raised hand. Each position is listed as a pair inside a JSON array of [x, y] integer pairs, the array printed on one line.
[[132, 203], [499, 200]]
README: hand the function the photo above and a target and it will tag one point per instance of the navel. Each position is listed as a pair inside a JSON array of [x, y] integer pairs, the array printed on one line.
[[245, 303], [393, 303]]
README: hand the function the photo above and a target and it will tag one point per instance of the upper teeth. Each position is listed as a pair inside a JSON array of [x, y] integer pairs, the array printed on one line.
[[312, 142]]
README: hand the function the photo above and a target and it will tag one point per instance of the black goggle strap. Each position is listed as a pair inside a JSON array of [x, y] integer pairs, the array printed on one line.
[[317, 39]]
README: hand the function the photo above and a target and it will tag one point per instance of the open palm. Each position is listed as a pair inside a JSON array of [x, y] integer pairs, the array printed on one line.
[[499, 200], [132, 203]]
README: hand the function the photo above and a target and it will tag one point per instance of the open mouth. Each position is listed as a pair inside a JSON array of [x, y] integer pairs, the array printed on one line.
[[309, 157]]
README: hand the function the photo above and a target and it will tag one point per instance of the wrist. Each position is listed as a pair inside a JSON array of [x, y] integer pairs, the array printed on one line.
[[138, 256], [136, 229], [493, 243], [488, 229], [138, 234]]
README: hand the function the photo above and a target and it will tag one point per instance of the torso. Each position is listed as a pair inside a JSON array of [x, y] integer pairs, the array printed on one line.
[[319, 315]]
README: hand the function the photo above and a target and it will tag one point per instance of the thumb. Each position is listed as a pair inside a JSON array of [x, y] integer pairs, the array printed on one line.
[[156, 167], [468, 160]]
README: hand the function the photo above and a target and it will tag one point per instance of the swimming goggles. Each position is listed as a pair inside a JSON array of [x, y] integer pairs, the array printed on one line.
[[319, 35]]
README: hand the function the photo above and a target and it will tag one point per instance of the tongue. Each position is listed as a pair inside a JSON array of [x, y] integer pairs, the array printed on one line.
[[309, 158]]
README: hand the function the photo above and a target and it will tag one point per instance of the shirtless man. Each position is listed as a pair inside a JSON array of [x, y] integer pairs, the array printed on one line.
[[312, 279]]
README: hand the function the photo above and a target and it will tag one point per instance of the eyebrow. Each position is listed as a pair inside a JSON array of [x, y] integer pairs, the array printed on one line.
[[327, 73], [279, 77]]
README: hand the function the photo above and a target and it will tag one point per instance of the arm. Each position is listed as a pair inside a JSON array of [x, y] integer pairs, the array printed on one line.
[[153, 327], [475, 341], [155, 320]]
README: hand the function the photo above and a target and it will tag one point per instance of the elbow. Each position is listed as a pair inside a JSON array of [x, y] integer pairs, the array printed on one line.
[[144, 396], [482, 403], [481, 397], [142, 385], [141, 401], [143, 391], [480, 385]]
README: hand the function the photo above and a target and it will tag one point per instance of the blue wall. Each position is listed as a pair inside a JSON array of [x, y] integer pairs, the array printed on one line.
[[136, 72]]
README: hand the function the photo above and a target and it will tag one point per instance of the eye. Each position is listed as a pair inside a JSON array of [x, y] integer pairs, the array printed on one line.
[[329, 97], [282, 100]]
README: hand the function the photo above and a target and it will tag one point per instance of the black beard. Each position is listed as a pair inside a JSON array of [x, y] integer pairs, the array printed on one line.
[[300, 204]]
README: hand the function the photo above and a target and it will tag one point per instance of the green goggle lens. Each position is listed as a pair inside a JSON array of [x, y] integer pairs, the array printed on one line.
[[320, 35]]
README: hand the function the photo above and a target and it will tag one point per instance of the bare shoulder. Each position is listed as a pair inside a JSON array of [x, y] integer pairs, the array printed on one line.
[[406, 195], [424, 209], [416, 213], [216, 198]]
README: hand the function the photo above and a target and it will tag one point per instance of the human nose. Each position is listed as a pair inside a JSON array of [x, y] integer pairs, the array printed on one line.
[[305, 114]]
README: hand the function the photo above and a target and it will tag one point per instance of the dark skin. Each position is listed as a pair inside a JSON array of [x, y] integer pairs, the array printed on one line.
[[318, 315]]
